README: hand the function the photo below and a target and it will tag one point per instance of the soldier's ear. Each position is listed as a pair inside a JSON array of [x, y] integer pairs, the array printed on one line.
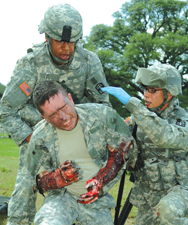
[[70, 98]]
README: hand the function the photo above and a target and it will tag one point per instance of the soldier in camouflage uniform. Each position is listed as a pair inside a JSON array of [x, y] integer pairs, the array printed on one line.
[[61, 58], [83, 133], [161, 181]]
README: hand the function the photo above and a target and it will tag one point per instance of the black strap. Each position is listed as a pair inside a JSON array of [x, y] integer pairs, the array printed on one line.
[[127, 206], [120, 193], [134, 131], [125, 211]]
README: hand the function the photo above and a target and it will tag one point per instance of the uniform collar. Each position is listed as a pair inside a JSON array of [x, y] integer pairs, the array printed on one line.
[[174, 105]]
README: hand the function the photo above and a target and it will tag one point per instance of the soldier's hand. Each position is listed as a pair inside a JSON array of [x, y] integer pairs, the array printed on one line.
[[93, 186], [59, 178], [118, 92], [69, 172]]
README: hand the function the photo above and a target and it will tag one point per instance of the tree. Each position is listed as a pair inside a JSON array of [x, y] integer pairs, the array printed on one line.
[[144, 32]]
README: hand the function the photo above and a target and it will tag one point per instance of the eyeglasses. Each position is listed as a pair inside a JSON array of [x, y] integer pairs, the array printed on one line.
[[151, 89], [63, 42]]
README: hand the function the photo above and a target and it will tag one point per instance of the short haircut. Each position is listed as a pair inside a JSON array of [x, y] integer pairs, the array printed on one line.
[[44, 90]]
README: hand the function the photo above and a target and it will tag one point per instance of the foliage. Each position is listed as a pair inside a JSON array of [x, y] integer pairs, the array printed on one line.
[[183, 99], [144, 32]]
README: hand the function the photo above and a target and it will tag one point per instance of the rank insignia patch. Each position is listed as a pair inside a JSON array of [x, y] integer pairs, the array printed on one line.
[[128, 121], [181, 123], [25, 88]]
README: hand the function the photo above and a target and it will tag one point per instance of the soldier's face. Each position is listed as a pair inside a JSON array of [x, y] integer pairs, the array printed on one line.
[[153, 100], [60, 112], [62, 50]]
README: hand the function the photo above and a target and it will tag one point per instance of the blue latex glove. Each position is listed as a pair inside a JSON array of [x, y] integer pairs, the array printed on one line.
[[118, 92]]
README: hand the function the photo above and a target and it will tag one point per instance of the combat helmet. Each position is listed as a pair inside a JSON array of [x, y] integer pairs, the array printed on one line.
[[160, 76], [62, 22]]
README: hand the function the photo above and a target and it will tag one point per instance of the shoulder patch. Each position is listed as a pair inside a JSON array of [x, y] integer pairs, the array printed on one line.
[[25, 88], [181, 123], [128, 121]]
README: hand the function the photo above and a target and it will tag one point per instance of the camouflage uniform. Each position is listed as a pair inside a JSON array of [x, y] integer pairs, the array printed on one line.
[[161, 185], [99, 129], [82, 76]]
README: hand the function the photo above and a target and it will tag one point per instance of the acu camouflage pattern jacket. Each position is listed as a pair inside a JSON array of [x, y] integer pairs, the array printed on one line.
[[163, 144], [82, 78], [101, 126]]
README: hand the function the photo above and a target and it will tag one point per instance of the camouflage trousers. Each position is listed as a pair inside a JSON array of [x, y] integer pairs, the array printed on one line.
[[171, 209], [21, 207], [65, 210]]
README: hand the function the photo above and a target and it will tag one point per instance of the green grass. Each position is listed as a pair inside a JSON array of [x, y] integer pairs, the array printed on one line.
[[3, 134], [8, 148], [9, 153]]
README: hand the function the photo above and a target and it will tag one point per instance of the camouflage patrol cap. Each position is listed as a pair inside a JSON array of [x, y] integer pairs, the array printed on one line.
[[160, 75], [62, 22]]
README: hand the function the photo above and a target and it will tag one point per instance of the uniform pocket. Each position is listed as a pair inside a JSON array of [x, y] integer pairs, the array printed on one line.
[[18, 94], [97, 141], [168, 174], [38, 156], [152, 174], [182, 172]]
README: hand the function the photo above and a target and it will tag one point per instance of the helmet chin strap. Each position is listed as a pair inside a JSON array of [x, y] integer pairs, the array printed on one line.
[[158, 110], [58, 60]]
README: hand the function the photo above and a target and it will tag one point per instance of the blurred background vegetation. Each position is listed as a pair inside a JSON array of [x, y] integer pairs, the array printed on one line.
[[144, 32]]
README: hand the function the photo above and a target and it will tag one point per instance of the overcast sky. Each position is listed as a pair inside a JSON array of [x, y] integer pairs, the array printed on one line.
[[19, 21]]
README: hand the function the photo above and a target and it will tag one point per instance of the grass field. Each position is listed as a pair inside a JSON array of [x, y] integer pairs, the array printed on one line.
[[9, 154]]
